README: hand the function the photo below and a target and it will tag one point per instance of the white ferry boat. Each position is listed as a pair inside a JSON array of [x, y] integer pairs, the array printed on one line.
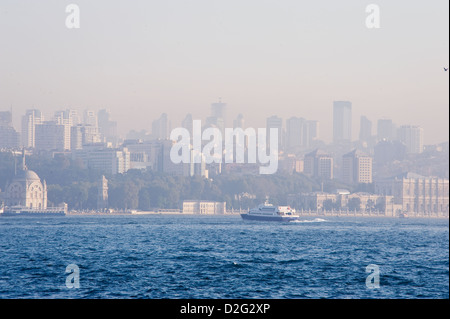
[[268, 212]]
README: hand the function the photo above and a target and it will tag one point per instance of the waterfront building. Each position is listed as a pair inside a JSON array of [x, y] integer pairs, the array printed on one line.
[[203, 207], [417, 194], [26, 189]]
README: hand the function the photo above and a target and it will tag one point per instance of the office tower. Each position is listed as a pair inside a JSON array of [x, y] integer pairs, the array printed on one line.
[[216, 122], [187, 123], [9, 137], [51, 136], [107, 128], [275, 122], [108, 160], [342, 122], [239, 122], [300, 133], [295, 128], [90, 134], [313, 131], [219, 111], [357, 168], [76, 137], [412, 137], [90, 118], [5, 118], [365, 129], [386, 130], [69, 117], [318, 164], [29, 122], [160, 128]]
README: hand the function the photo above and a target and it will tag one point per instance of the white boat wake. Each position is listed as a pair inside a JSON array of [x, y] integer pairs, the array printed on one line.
[[315, 220]]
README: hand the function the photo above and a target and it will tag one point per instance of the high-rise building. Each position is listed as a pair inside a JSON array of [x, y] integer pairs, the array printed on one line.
[[300, 133], [275, 122], [9, 138], [318, 164], [69, 117], [90, 118], [239, 122], [357, 167], [109, 160], [342, 122], [295, 133], [386, 130], [76, 137], [365, 129], [412, 137], [51, 136], [219, 110], [5, 118], [187, 123], [107, 128], [161, 127], [313, 131], [29, 122]]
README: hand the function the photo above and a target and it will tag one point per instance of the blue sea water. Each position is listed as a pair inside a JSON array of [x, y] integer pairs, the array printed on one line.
[[223, 257]]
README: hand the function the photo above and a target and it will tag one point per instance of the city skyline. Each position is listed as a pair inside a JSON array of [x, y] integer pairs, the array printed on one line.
[[160, 127], [289, 59]]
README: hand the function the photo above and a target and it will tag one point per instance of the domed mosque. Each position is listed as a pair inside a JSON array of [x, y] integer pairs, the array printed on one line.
[[26, 194]]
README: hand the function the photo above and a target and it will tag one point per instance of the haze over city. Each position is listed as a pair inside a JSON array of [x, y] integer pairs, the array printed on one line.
[[262, 58]]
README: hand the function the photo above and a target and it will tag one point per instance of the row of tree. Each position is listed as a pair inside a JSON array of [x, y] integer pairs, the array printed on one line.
[[68, 181]]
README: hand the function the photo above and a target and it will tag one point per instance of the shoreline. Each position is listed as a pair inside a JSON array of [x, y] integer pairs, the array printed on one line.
[[315, 215]]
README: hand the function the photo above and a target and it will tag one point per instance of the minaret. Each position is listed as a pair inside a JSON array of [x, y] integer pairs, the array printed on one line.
[[102, 199], [44, 194], [23, 166]]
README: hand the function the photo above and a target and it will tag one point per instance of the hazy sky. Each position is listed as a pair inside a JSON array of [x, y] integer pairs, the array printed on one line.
[[284, 57]]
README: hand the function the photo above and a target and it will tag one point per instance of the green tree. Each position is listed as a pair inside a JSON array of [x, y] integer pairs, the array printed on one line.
[[354, 204]]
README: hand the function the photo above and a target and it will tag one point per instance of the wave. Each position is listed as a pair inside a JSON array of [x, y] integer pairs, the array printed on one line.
[[315, 220]]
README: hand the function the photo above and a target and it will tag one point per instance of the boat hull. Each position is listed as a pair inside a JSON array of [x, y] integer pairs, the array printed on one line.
[[269, 218]]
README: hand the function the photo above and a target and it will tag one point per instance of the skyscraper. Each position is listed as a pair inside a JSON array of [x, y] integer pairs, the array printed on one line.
[[187, 123], [29, 122], [161, 127], [385, 130], [9, 138], [342, 121], [107, 128], [51, 136], [219, 110], [412, 137], [239, 122], [365, 129], [294, 133], [275, 122]]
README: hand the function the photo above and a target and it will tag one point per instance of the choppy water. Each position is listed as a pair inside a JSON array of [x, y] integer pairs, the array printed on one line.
[[222, 257]]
